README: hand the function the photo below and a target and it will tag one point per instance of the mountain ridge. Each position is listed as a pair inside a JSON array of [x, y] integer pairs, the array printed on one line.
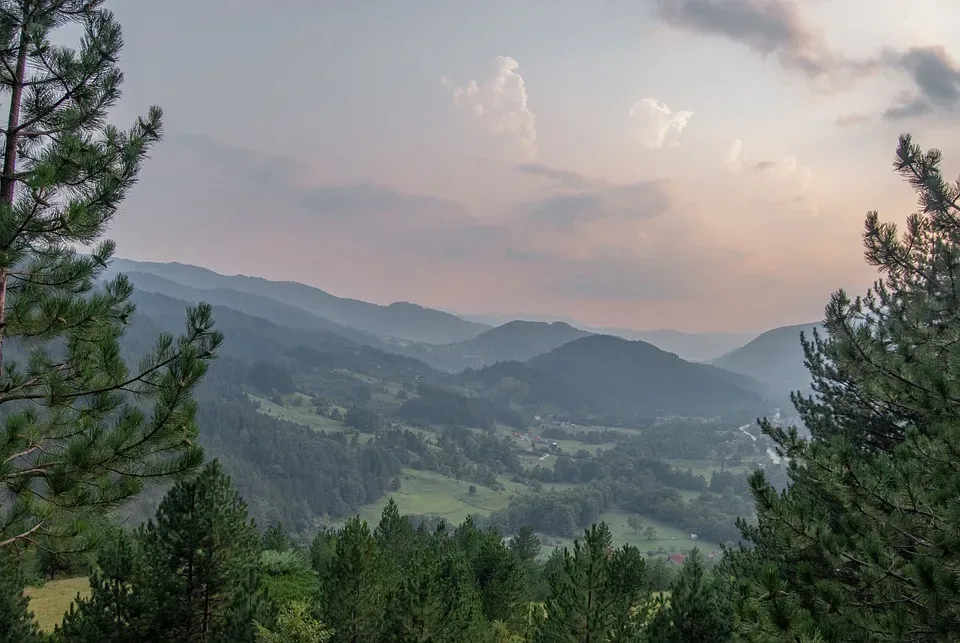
[[775, 357], [401, 320], [615, 380]]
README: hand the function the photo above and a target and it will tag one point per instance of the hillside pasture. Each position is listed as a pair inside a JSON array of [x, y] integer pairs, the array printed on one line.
[[50, 601]]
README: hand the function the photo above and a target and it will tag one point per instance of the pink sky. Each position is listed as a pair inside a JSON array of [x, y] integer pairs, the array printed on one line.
[[670, 167]]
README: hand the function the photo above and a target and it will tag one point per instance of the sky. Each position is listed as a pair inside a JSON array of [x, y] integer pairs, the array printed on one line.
[[703, 165]]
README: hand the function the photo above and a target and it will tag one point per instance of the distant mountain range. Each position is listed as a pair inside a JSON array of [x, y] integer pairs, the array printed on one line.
[[694, 347], [400, 320], [769, 365]]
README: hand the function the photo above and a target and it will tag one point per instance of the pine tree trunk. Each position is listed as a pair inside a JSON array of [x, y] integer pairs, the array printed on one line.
[[8, 179]]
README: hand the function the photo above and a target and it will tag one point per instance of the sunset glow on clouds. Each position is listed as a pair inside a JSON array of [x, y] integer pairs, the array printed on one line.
[[695, 164]]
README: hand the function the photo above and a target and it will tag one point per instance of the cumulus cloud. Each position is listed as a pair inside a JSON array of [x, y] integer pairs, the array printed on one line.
[[501, 104], [653, 122], [789, 168], [733, 161]]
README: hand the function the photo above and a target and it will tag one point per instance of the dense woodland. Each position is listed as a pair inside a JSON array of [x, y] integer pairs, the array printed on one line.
[[205, 479]]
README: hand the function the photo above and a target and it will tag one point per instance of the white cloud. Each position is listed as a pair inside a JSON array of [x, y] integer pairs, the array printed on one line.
[[789, 168], [733, 161], [501, 103], [654, 120]]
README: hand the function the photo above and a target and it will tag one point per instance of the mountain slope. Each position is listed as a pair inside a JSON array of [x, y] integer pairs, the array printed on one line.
[[618, 381], [250, 304], [254, 339], [693, 347], [774, 358], [516, 340], [520, 340], [401, 320]]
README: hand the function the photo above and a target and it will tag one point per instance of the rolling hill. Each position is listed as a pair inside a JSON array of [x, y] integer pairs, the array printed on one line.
[[514, 341], [774, 358], [519, 340], [401, 320], [693, 347], [250, 304], [617, 381]]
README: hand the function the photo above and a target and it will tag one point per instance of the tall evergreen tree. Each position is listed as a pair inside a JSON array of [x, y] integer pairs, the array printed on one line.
[[594, 600], [353, 585], [118, 608], [525, 544], [74, 442], [863, 546], [433, 601], [202, 556], [16, 620], [696, 612]]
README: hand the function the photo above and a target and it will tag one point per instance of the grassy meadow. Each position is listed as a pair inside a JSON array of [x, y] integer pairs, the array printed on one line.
[[52, 600]]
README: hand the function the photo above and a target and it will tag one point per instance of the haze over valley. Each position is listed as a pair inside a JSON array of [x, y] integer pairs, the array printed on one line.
[[351, 322]]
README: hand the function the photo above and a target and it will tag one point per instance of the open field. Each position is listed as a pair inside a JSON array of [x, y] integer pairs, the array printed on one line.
[[305, 415], [428, 492], [299, 414], [51, 601], [706, 467], [431, 493], [673, 540]]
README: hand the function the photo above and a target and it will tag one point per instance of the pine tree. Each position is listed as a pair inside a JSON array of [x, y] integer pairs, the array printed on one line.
[[594, 600], [75, 443], [863, 546], [353, 585], [275, 538], [16, 620], [434, 600], [200, 552], [118, 608], [525, 544], [697, 612], [250, 610]]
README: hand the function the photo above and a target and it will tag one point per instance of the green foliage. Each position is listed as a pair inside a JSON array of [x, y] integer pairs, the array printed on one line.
[[295, 624], [864, 546], [697, 611], [353, 593], [276, 539], [190, 575], [16, 620], [525, 544], [119, 608], [199, 551], [75, 444], [598, 595]]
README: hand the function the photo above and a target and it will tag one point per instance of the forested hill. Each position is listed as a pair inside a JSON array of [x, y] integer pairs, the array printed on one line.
[[618, 381], [255, 339], [775, 358], [360, 414], [402, 320], [514, 341]]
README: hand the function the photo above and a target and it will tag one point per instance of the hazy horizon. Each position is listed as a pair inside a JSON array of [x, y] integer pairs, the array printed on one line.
[[685, 164]]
